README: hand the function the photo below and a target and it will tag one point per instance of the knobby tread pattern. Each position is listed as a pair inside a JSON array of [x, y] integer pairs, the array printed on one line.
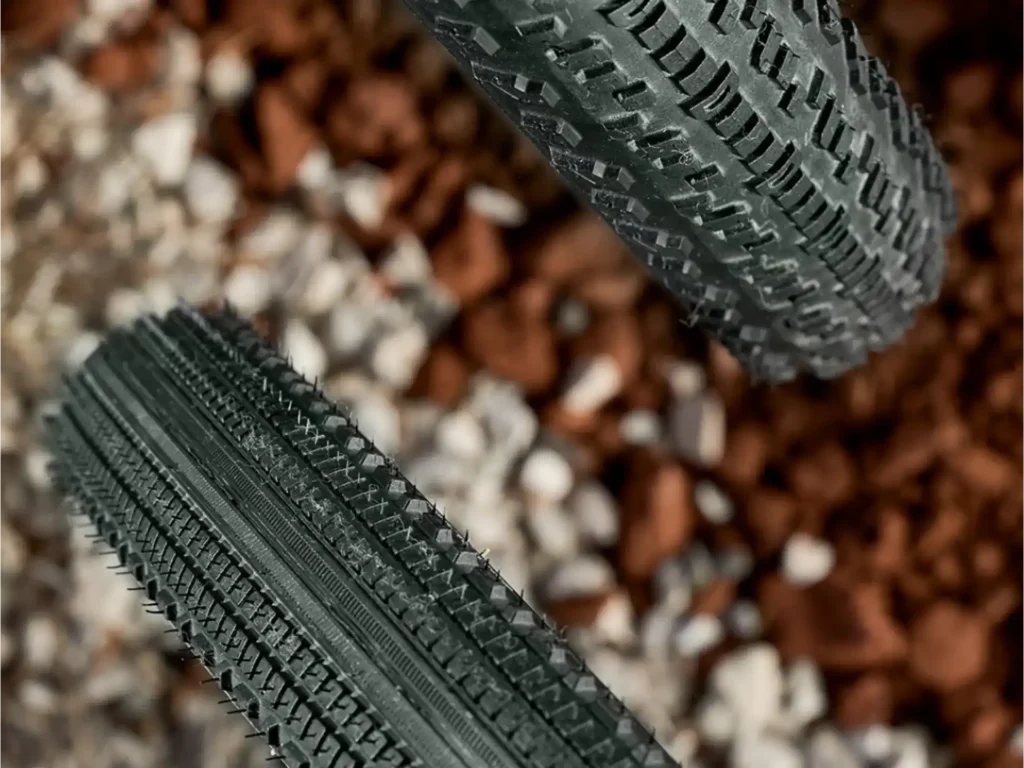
[[751, 153], [332, 603]]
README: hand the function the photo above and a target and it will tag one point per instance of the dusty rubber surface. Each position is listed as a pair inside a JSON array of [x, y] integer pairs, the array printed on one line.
[[331, 602], [759, 161]]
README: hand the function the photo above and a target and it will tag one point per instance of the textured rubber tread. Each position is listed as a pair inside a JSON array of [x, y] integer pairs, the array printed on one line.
[[751, 153], [330, 600]]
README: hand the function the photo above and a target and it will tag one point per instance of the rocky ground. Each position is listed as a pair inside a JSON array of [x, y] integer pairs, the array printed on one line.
[[819, 575]]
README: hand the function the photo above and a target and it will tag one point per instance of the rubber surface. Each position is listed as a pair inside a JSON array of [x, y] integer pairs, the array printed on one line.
[[751, 153], [330, 601]]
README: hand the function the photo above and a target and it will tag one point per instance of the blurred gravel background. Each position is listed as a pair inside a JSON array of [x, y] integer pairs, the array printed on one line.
[[818, 575]]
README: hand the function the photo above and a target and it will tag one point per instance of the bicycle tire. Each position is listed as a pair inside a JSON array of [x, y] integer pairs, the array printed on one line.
[[327, 597], [763, 166]]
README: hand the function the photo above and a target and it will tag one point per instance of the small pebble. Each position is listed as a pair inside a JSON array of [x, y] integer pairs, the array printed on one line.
[[595, 512], [249, 289], [743, 619], [697, 427], [673, 585], [406, 263], [764, 751], [30, 176], [41, 642], [349, 328], [547, 475], [38, 696], [211, 191], [396, 358], [827, 748], [586, 575], [806, 699], [377, 418], [615, 623], [685, 378], [734, 563], [229, 78], [37, 468], [874, 743], [326, 288], [164, 145], [459, 434], [316, 169], [750, 679], [806, 560], [640, 427], [572, 317], [700, 564], [123, 306], [553, 530], [715, 720], [13, 551], [698, 634], [716, 507], [656, 630], [277, 234], [361, 190], [910, 750], [592, 383], [304, 349], [183, 57], [496, 205]]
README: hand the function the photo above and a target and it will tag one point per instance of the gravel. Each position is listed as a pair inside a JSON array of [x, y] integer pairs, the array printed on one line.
[[807, 560]]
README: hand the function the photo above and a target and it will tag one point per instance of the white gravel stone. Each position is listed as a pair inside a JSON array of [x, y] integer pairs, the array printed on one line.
[[553, 530], [657, 627], [90, 141], [461, 435], [123, 306], [183, 58], [591, 383], [734, 562], [79, 350], [211, 191], [595, 513], [276, 235], [765, 752], [304, 349], [38, 697], [316, 170], [361, 190], [686, 378], [41, 642], [349, 328], [30, 176], [615, 622], [546, 474], [572, 317], [1017, 739], [108, 192], [641, 427], [697, 635], [716, 721], [229, 77], [325, 288], [378, 419], [112, 10], [697, 427], [586, 575], [807, 560], [750, 680], [37, 468], [13, 551], [713, 503], [806, 698], [700, 564], [9, 245], [743, 618], [826, 748], [164, 146], [496, 205], [672, 584], [249, 289], [396, 358], [406, 263], [159, 295], [510, 422], [436, 473]]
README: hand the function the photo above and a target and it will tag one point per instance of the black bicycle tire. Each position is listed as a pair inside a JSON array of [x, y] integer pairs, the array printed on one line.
[[326, 596], [751, 153]]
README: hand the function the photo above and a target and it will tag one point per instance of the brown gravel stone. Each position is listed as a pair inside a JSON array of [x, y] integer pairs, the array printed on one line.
[[285, 136], [472, 260], [715, 598], [658, 515], [512, 346], [37, 23], [443, 377], [949, 647], [867, 701]]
